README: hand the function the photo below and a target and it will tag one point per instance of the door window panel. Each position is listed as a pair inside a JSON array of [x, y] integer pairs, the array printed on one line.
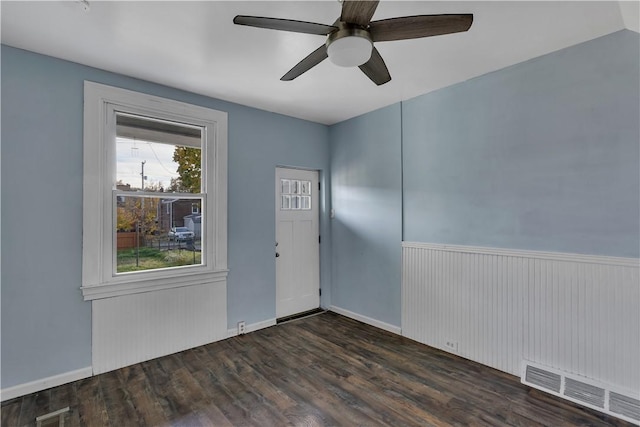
[[295, 194]]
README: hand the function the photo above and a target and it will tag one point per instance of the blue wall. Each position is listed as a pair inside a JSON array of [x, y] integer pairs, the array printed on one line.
[[46, 326], [543, 155], [367, 228]]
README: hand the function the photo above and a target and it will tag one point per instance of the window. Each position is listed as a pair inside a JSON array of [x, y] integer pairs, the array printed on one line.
[[295, 195], [157, 163], [154, 193]]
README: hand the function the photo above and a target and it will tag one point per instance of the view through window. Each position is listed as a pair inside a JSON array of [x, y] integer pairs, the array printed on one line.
[[159, 220]]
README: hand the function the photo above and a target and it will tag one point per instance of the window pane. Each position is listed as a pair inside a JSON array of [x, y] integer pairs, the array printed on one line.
[[286, 186], [295, 202], [154, 155], [286, 203], [306, 202], [305, 187], [157, 232]]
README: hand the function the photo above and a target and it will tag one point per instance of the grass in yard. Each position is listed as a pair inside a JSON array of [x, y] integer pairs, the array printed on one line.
[[152, 258]]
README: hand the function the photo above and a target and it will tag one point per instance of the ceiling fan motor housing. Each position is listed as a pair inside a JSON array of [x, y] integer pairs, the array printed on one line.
[[350, 46]]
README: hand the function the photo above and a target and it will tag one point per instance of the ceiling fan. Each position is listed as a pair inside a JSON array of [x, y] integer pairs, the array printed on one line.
[[350, 39]]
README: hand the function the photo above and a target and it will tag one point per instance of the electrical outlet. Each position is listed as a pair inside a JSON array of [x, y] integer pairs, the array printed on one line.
[[451, 346], [242, 328]]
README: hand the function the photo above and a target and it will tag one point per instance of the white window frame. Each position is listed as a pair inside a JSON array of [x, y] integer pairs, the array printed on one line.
[[99, 279]]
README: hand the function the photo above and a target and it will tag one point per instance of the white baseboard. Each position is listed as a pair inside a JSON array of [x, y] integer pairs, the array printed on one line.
[[252, 327], [44, 383], [368, 320]]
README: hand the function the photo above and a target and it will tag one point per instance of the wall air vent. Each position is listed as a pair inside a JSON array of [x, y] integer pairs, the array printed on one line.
[[584, 392], [624, 405], [581, 390], [543, 379]]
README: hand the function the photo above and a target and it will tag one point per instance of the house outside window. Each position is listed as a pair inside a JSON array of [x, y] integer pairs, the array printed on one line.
[[154, 193]]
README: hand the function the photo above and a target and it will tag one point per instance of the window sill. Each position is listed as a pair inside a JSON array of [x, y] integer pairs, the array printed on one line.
[[110, 290]]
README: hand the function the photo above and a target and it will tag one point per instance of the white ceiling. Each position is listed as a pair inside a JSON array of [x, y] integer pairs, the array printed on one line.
[[195, 46]]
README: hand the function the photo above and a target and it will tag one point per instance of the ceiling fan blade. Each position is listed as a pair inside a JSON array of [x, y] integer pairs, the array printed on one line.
[[284, 25], [376, 69], [313, 59], [413, 27], [358, 12]]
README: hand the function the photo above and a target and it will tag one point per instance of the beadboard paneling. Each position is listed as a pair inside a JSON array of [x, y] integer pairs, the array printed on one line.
[[133, 328], [576, 313]]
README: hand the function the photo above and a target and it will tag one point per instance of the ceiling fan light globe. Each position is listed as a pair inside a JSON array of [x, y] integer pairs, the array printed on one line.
[[350, 51]]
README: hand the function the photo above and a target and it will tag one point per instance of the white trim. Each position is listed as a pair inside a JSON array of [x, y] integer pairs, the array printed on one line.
[[119, 289], [44, 383], [252, 327], [368, 320], [554, 256], [101, 103]]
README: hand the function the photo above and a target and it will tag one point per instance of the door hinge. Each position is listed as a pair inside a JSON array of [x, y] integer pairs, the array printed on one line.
[[319, 239], [318, 185], [320, 292]]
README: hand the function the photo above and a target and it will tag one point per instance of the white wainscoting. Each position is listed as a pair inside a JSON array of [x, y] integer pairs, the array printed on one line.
[[133, 328], [576, 313]]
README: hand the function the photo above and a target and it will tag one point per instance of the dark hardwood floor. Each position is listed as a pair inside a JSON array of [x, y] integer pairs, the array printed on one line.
[[325, 370]]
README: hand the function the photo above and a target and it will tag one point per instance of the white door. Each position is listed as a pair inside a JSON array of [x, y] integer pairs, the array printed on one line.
[[297, 242]]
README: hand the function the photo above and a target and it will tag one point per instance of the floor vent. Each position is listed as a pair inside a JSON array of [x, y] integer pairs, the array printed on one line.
[[582, 390], [52, 419]]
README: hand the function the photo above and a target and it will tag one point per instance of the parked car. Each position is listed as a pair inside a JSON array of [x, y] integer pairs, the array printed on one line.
[[180, 233]]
